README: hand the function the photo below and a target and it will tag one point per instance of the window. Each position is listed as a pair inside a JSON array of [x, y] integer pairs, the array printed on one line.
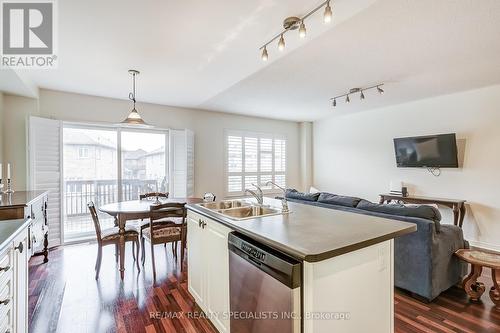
[[254, 158], [83, 152]]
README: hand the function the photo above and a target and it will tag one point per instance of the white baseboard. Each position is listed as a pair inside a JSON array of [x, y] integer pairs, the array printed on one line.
[[485, 246]]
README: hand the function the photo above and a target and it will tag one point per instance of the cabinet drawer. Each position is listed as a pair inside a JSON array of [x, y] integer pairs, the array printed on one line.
[[5, 267], [6, 318]]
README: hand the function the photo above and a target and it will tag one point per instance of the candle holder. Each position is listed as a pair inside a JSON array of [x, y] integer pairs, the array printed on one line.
[[9, 187]]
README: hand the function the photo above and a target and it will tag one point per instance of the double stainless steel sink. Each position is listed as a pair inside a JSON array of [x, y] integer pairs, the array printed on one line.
[[240, 209]]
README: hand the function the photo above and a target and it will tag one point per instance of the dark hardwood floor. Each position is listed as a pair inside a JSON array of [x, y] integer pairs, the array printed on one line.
[[64, 297]]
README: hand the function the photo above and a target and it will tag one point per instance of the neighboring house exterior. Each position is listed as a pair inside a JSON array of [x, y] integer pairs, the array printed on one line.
[[88, 159]]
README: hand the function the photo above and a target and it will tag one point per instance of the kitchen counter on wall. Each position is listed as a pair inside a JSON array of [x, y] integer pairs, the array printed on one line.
[[311, 233]]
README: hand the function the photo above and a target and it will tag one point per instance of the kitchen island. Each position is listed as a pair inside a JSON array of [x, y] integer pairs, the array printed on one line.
[[346, 264]]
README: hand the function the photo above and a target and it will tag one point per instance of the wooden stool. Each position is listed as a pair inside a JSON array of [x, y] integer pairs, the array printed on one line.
[[479, 259]]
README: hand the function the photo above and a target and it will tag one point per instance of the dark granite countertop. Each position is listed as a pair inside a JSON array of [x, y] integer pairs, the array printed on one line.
[[312, 233], [19, 198], [9, 229]]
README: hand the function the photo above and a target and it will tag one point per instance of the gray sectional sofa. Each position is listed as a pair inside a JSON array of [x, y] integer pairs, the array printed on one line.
[[424, 263]]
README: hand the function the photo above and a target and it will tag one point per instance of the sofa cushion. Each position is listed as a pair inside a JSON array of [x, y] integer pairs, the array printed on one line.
[[339, 200], [294, 194], [421, 211]]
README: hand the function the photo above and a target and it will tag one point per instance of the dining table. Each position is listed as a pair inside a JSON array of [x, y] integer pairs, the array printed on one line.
[[135, 210]]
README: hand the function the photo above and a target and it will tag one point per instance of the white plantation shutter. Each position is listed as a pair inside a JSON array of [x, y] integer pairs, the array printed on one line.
[[44, 145], [254, 158], [181, 163]]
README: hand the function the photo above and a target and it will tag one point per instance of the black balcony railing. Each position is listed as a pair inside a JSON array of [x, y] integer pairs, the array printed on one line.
[[77, 193]]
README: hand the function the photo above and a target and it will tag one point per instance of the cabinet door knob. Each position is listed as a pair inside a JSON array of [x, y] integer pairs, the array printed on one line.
[[203, 224], [5, 301], [20, 247], [200, 222], [6, 268]]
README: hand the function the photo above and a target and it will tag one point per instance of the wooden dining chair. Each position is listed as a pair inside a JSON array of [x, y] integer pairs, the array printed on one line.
[[112, 237], [167, 231]]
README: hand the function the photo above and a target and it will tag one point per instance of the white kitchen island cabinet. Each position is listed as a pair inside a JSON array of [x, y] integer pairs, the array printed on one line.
[[208, 268]]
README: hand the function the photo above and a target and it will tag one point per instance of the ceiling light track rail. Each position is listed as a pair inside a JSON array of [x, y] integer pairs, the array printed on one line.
[[361, 92]]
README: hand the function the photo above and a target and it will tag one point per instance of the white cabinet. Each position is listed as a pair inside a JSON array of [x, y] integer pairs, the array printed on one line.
[[6, 291], [208, 268], [21, 256], [14, 285], [195, 259]]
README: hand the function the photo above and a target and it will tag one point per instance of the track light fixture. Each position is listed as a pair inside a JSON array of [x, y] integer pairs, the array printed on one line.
[[327, 16], [294, 23], [302, 30], [281, 43], [361, 92]]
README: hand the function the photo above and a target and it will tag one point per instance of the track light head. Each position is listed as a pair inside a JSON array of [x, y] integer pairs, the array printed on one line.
[[334, 103], [327, 16], [380, 90], [281, 43], [347, 99], [362, 95], [302, 30], [265, 56]]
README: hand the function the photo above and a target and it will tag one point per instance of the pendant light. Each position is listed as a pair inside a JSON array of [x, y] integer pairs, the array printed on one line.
[[134, 118]]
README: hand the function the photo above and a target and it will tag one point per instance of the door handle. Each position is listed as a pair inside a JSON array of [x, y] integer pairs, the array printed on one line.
[[204, 224], [5, 301], [5, 269], [200, 222], [20, 247]]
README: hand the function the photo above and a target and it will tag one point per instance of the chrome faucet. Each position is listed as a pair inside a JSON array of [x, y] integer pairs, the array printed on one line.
[[284, 202], [259, 196]]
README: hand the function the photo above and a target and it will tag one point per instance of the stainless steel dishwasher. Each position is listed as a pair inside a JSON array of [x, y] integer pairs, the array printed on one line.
[[264, 288]]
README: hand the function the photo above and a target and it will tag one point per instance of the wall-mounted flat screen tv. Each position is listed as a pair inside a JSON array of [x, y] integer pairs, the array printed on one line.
[[432, 151]]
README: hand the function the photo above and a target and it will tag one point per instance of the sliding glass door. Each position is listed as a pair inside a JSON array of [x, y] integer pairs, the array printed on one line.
[[90, 159], [106, 165], [143, 163]]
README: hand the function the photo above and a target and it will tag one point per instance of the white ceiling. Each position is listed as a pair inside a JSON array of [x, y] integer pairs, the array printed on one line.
[[204, 54]]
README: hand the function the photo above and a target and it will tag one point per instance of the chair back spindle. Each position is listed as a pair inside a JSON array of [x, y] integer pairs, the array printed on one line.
[[95, 219]]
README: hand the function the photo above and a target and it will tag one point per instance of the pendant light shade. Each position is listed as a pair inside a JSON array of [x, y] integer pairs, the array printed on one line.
[[134, 118]]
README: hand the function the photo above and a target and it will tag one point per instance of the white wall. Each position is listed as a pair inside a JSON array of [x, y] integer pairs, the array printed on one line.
[[208, 128], [16, 112], [354, 155]]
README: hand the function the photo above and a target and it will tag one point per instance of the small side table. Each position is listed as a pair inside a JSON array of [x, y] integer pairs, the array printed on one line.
[[479, 259]]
